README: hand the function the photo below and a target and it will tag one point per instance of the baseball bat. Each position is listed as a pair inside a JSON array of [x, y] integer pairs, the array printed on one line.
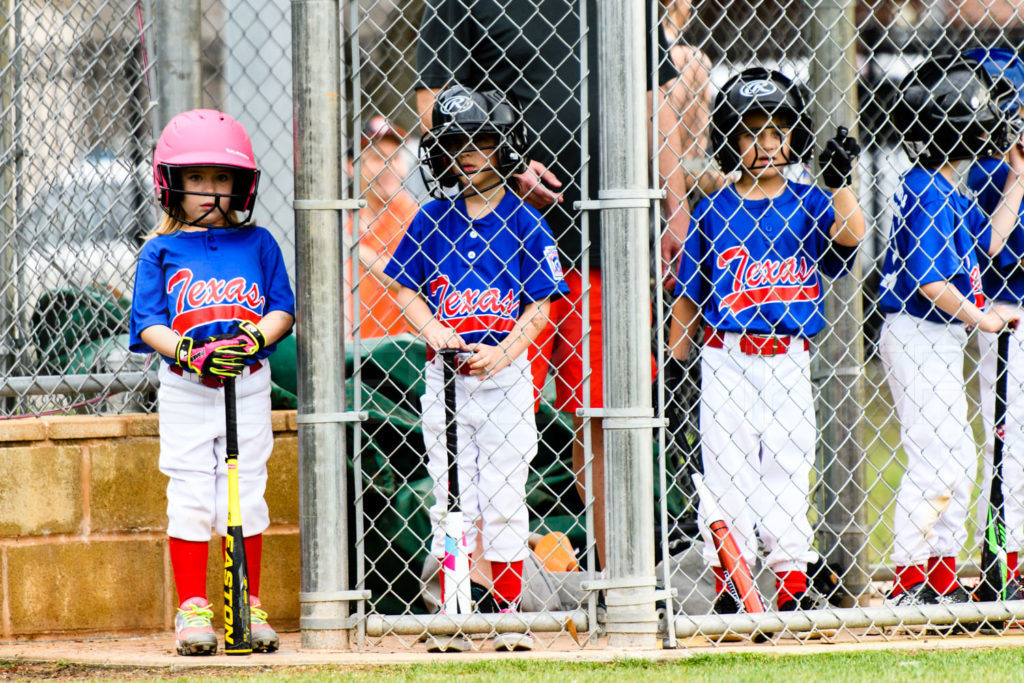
[[457, 597], [237, 624], [738, 579], [992, 585]]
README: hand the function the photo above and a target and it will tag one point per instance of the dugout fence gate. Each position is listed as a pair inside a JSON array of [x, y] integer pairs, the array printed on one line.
[[328, 91]]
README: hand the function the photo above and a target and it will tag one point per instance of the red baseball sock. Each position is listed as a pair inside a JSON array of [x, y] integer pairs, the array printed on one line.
[[719, 580], [253, 556], [188, 561], [942, 574], [907, 577], [789, 585], [508, 582], [1012, 570]]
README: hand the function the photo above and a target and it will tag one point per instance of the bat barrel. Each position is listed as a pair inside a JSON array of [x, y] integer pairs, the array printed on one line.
[[237, 616]]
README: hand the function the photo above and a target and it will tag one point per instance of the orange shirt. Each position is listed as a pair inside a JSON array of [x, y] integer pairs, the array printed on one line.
[[379, 312]]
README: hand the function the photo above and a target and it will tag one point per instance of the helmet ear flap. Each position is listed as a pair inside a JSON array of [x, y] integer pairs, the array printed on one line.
[[244, 189], [169, 186]]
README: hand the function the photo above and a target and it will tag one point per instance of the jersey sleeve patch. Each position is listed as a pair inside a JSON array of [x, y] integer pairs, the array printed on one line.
[[554, 264]]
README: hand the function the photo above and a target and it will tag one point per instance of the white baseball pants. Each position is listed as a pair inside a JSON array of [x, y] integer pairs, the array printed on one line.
[[497, 439], [1013, 446], [924, 363], [192, 451], [757, 440]]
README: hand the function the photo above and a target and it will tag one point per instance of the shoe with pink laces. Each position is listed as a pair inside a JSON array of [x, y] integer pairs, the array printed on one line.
[[193, 628], [264, 638]]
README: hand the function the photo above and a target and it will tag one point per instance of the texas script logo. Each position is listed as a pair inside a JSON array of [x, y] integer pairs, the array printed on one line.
[[202, 301], [489, 306], [767, 281]]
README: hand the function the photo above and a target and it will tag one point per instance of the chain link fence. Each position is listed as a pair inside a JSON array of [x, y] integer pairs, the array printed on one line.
[[81, 84]]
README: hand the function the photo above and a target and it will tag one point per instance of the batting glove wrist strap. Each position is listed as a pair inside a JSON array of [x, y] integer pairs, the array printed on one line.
[[838, 158], [251, 336]]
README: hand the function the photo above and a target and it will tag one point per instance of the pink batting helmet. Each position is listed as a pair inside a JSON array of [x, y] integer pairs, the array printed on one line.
[[205, 137]]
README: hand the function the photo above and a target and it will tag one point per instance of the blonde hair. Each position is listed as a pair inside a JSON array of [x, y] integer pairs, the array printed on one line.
[[172, 222]]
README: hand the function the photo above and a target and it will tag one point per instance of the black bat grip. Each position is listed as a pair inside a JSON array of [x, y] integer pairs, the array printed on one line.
[[230, 419], [451, 430]]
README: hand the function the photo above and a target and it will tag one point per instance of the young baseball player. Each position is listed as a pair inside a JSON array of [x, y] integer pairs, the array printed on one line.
[[1002, 282], [931, 293], [751, 271], [212, 297], [476, 271]]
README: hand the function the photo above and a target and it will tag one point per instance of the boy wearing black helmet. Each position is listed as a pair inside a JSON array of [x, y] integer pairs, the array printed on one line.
[[1002, 280], [751, 271], [931, 293], [476, 271]]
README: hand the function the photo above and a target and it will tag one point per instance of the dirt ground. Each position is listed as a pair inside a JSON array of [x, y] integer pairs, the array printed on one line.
[[153, 657]]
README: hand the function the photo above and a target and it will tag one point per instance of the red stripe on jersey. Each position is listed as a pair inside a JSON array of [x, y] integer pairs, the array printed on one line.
[[481, 323], [184, 322], [738, 301]]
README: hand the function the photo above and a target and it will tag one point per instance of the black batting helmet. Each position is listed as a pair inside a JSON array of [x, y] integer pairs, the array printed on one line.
[[462, 111], [948, 110], [759, 90]]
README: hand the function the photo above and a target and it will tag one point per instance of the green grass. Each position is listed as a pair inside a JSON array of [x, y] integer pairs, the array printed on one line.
[[989, 665]]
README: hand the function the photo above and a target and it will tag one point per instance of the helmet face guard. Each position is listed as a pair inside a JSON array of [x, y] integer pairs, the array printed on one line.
[[460, 115], [205, 137], [948, 111], [754, 91]]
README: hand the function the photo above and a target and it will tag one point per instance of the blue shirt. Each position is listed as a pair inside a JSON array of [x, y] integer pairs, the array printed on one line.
[[475, 274], [1002, 277], [935, 231], [200, 283], [755, 265]]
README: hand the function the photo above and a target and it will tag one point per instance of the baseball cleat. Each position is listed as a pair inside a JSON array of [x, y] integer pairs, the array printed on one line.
[[455, 643], [264, 637], [193, 628]]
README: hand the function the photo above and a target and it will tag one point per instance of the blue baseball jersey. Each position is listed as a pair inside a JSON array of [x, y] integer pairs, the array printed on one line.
[[1001, 277], [755, 265], [935, 231], [200, 283], [476, 274]]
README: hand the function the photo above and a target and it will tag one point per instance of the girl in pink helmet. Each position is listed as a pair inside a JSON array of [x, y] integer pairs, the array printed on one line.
[[212, 297]]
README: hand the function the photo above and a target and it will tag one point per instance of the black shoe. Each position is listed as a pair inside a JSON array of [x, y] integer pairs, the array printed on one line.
[[918, 594], [801, 601], [482, 599], [725, 604], [958, 595]]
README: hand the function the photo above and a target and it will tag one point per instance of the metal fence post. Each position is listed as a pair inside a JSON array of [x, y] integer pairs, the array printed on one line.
[[323, 513], [9, 152], [842, 539], [629, 480], [176, 39]]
